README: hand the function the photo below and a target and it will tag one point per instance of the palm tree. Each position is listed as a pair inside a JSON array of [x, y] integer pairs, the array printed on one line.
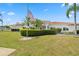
[[74, 8]]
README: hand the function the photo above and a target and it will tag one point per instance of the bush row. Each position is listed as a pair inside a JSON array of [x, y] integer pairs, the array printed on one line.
[[37, 32], [58, 30], [71, 32]]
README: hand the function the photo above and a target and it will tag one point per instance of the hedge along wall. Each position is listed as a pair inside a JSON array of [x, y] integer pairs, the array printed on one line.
[[37, 32]]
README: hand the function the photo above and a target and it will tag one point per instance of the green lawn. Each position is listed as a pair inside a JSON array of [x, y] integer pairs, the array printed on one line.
[[48, 45]]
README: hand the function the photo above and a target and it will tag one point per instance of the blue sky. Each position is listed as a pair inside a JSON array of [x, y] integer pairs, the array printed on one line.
[[16, 12]]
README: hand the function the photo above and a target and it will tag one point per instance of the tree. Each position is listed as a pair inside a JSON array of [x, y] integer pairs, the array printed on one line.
[[38, 23], [74, 8], [27, 23], [1, 21]]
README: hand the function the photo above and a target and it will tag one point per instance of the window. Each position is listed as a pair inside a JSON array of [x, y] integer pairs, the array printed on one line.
[[65, 29]]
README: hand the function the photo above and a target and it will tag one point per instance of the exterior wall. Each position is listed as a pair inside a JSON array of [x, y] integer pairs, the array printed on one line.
[[70, 28], [58, 26], [78, 27], [47, 26], [4, 28]]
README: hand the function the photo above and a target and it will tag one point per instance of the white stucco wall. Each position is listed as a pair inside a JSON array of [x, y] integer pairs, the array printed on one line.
[[58, 26], [71, 28]]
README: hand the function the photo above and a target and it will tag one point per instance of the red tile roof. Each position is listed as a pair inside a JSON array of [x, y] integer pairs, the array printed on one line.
[[64, 23], [57, 22]]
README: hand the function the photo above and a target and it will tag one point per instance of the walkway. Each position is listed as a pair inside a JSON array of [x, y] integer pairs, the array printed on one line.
[[6, 51]]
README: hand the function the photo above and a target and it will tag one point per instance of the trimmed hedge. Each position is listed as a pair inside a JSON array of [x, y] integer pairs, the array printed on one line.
[[58, 30], [37, 32], [68, 33]]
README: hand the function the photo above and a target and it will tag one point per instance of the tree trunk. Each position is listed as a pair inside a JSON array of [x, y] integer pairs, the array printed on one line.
[[75, 25], [2, 25]]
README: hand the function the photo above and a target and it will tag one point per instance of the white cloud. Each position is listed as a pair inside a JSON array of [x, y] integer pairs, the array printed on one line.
[[11, 13], [45, 9]]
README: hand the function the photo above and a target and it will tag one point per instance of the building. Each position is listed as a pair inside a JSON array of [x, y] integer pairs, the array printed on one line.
[[65, 26], [4, 28]]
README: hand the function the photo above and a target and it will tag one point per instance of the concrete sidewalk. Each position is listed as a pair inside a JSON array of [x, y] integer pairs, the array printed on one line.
[[6, 51]]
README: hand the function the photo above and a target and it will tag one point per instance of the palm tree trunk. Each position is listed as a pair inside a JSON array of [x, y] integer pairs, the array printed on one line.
[[75, 18]]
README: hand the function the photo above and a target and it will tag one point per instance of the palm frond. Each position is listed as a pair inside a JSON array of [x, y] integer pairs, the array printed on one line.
[[77, 8], [69, 10], [66, 4]]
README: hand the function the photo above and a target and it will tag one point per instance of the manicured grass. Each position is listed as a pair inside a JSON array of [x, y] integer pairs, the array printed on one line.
[[48, 45]]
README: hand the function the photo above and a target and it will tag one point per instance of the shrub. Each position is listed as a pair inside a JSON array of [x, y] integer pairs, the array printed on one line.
[[69, 33], [58, 30], [14, 29], [37, 32], [77, 31]]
